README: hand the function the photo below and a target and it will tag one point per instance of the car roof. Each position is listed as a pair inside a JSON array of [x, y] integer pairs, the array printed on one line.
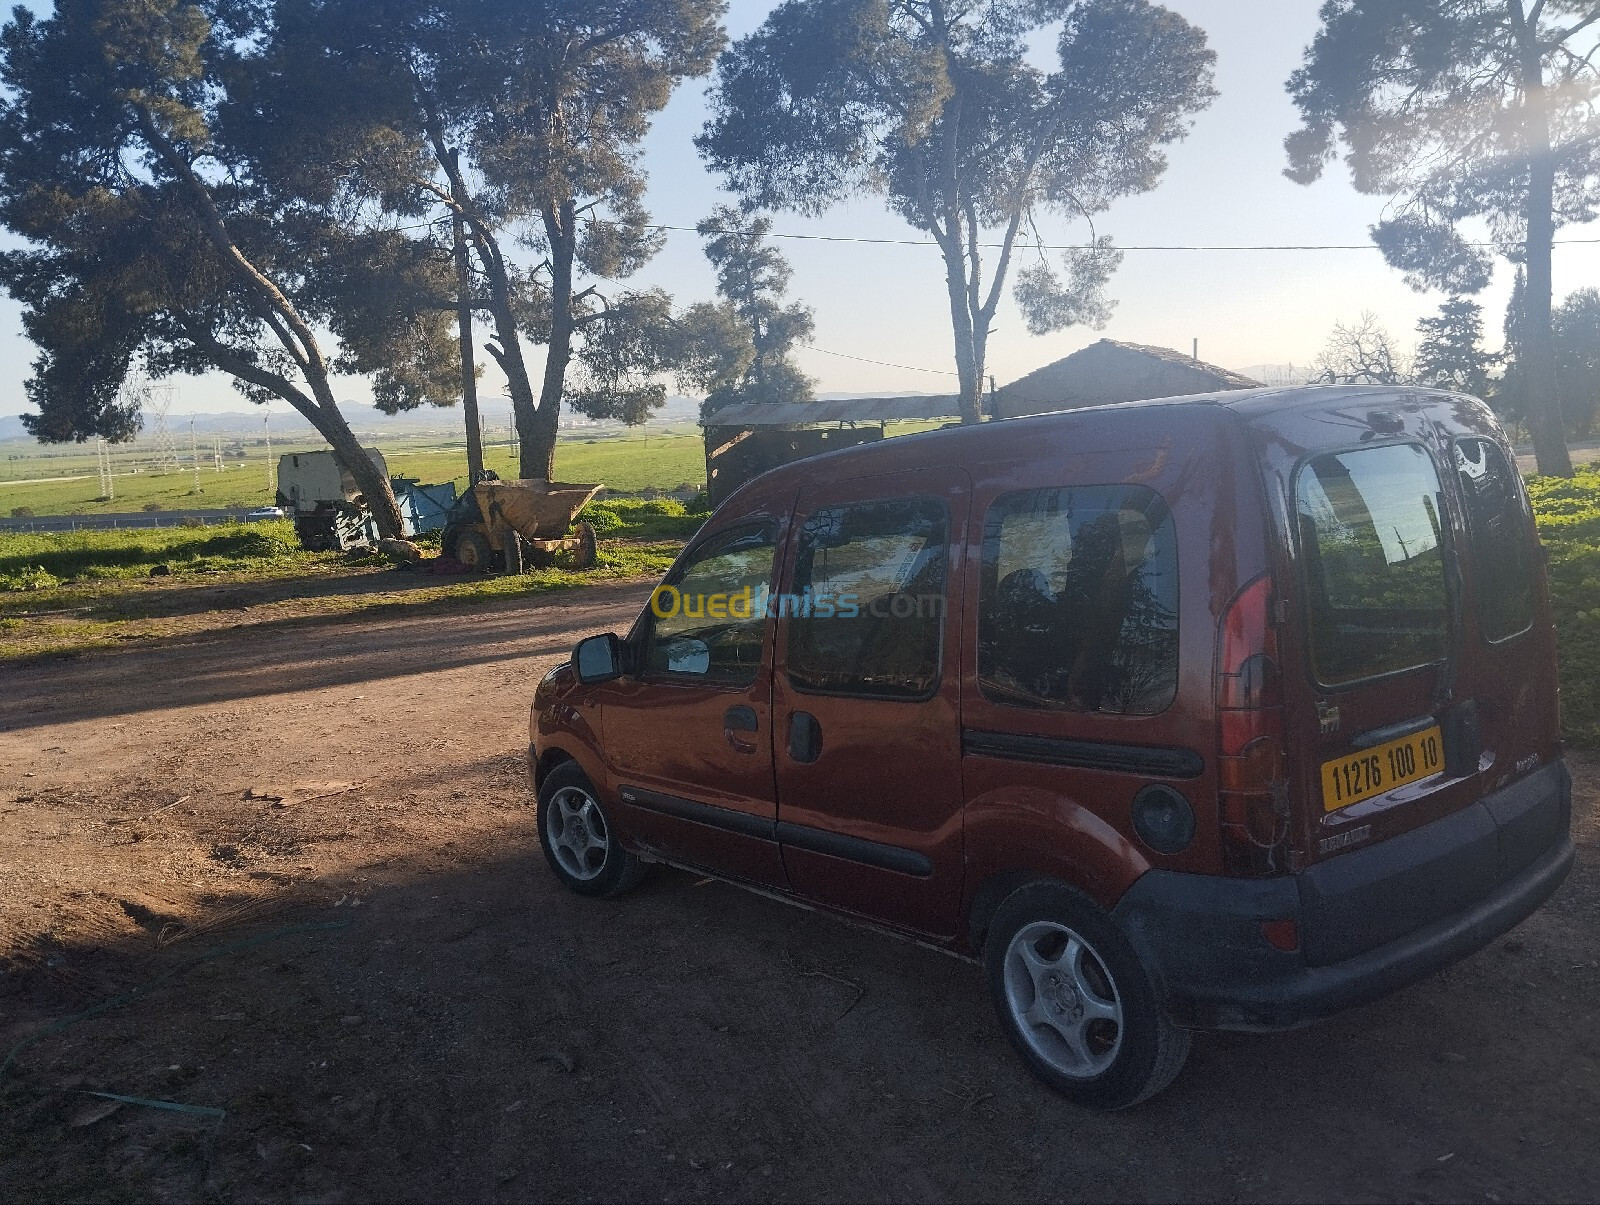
[[1118, 425]]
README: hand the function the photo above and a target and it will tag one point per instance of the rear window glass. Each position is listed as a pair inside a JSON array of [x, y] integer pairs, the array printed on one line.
[[1078, 608], [1373, 563], [1497, 526], [868, 607]]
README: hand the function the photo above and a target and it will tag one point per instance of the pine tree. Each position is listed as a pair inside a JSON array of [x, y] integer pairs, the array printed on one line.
[[1451, 355]]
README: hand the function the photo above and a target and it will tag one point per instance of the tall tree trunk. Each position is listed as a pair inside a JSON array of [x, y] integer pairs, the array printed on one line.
[[1544, 400], [469, 367], [508, 356], [539, 453], [969, 344]]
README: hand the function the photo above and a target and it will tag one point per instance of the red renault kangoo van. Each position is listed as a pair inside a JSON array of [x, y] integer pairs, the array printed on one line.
[[1214, 712]]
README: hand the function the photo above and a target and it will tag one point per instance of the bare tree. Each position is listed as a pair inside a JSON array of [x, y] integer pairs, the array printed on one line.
[[1364, 353]]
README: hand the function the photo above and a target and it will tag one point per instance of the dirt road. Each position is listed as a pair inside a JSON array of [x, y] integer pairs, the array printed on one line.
[[469, 1031]]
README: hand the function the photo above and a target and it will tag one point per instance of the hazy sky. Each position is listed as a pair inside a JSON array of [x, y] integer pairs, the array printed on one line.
[[1224, 186]]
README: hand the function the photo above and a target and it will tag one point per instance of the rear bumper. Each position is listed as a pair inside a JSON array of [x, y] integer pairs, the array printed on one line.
[[1453, 886]]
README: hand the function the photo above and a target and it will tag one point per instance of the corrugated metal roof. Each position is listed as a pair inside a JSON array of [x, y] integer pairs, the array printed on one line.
[[837, 410]]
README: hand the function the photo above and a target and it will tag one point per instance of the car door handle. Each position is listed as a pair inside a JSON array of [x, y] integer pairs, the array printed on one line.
[[737, 719], [805, 737]]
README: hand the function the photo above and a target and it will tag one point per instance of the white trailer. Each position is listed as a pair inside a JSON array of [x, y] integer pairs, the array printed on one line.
[[323, 498]]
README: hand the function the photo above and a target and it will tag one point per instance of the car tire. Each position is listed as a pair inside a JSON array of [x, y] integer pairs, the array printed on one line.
[[473, 551], [579, 841], [588, 547], [511, 541], [1076, 1002]]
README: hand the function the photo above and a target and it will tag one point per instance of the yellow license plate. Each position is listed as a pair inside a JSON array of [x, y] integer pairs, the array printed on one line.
[[1358, 776]]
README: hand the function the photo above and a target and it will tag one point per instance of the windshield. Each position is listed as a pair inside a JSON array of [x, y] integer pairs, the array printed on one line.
[[1373, 565]]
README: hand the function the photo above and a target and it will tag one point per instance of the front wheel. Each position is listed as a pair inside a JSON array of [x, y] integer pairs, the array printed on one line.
[[472, 550], [1076, 1002], [577, 838]]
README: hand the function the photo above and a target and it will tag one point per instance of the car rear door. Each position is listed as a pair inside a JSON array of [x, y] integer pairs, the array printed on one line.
[[1382, 603], [866, 698]]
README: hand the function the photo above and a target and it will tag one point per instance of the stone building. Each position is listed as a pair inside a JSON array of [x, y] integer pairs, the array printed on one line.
[[1109, 371]]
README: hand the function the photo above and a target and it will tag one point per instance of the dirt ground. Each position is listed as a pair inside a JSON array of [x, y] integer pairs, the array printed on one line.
[[311, 844]]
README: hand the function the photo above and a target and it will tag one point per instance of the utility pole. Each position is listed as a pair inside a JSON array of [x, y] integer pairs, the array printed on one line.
[[194, 454], [469, 367], [102, 462], [272, 481], [216, 452]]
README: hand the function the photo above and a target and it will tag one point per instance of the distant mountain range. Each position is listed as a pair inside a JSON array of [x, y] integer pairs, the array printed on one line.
[[1278, 374]]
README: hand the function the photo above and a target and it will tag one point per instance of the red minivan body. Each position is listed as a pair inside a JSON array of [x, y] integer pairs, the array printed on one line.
[[1216, 712]]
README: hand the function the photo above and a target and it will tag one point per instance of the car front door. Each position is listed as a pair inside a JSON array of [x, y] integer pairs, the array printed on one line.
[[687, 734], [866, 698]]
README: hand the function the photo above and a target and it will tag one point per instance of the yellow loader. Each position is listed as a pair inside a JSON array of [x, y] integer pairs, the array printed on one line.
[[511, 526]]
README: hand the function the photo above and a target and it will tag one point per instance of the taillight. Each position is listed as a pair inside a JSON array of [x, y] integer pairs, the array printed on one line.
[[1252, 788]]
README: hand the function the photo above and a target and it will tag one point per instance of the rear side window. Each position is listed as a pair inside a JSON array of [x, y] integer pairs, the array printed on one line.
[[1078, 608], [1371, 553], [708, 623], [867, 610], [1497, 526]]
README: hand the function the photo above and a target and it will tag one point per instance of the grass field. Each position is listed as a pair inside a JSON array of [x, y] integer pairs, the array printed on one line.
[[1569, 525], [71, 592], [625, 463]]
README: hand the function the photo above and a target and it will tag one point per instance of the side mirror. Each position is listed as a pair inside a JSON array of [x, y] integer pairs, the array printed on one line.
[[598, 659]]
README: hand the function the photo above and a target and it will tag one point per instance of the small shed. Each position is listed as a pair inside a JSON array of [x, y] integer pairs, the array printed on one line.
[[1108, 372], [749, 438]]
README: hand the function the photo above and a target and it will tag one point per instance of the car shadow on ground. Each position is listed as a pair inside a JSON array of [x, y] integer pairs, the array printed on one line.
[[454, 1025]]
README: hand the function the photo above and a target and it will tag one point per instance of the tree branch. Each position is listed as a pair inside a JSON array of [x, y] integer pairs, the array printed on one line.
[[237, 363], [217, 230]]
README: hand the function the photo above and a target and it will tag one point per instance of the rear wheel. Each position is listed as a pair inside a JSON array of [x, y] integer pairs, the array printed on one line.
[[1076, 1002], [578, 840], [588, 547], [473, 551], [512, 543]]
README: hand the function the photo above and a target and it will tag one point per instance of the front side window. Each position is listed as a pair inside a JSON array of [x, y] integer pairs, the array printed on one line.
[[1497, 526], [868, 605], [1078, 608], [708, 622], [1372, 555]]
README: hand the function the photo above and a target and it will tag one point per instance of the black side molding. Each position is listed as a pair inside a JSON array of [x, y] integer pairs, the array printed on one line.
[[1149, 760], [820, 841], [854, 849], [700, 813]]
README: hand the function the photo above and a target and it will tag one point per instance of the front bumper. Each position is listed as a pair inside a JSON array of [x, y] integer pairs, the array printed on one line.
[[1370, 921]]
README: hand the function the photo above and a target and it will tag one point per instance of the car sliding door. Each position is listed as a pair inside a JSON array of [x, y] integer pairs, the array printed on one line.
[[866, 698]]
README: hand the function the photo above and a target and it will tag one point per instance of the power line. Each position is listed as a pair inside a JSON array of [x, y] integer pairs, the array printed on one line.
[[880, 363], [912, 242]]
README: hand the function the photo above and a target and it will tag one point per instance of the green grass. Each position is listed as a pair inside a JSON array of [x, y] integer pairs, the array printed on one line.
[[41, 560], [1568, 512], [31, 562], [626, 463], [72, 592]]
